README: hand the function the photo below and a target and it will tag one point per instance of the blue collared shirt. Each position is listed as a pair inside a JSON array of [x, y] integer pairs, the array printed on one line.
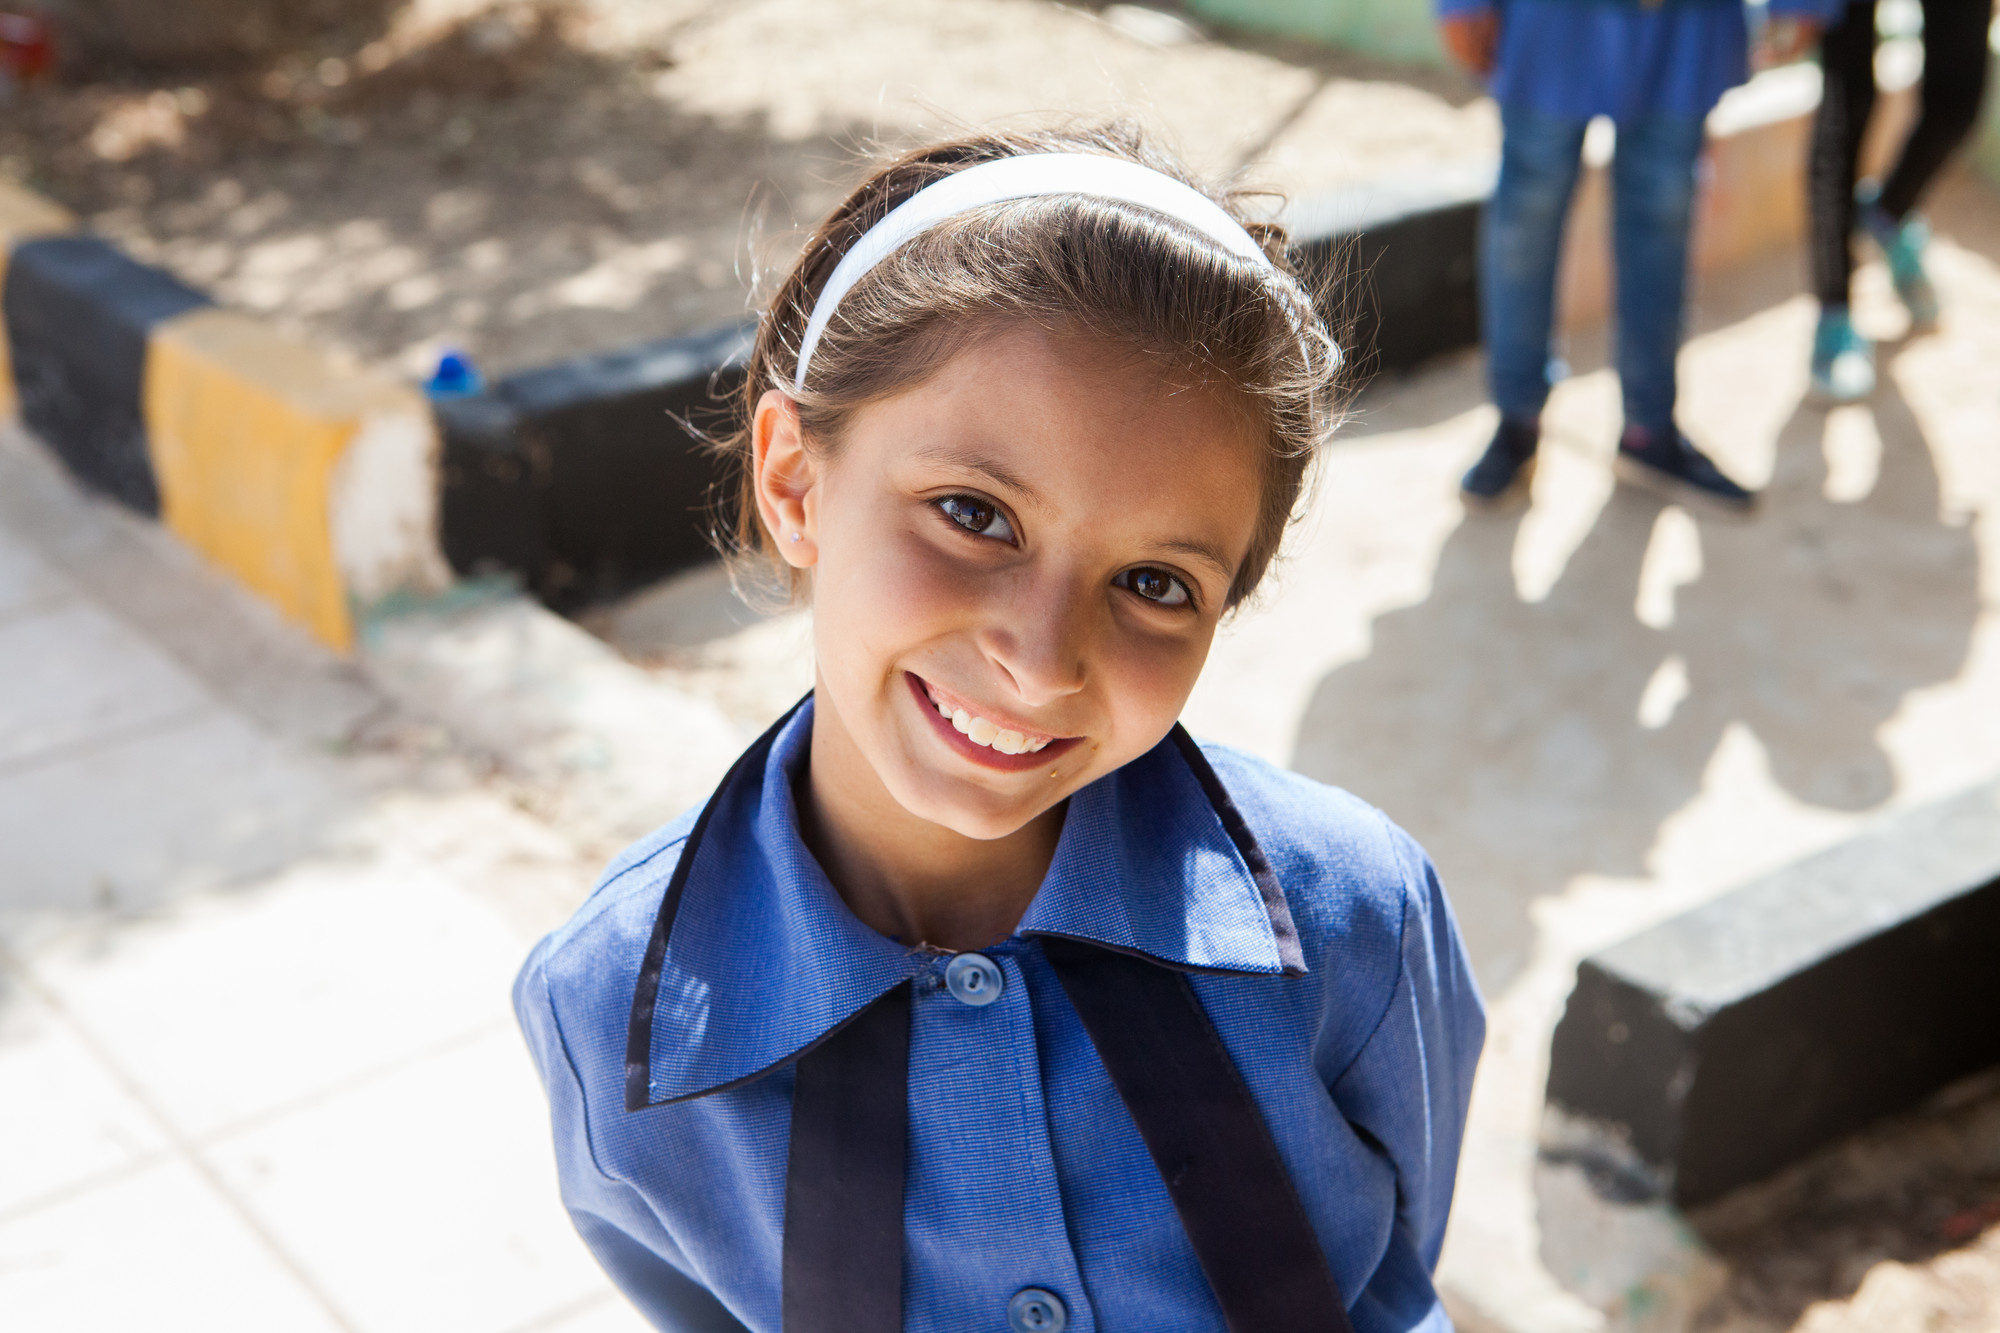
[[1023, 1166]]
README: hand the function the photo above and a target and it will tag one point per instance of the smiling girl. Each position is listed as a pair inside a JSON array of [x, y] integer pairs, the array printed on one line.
[[979, 996]]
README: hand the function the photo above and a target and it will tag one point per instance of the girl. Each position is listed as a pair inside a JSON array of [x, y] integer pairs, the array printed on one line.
[[979, 996]]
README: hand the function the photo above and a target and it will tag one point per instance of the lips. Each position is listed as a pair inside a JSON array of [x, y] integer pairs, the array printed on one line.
[[985, 741]]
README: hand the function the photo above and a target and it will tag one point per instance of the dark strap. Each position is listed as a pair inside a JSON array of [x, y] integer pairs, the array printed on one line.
[[1207, 1139], [843, 1264]]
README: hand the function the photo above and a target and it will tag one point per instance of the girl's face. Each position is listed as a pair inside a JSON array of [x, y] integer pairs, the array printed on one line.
[[1018, 567]]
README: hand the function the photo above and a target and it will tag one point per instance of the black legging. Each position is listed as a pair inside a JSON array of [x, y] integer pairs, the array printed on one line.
[[1954, 81]]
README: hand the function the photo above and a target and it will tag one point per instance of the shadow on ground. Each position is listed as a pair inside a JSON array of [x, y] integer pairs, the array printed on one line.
[[1525, 743]]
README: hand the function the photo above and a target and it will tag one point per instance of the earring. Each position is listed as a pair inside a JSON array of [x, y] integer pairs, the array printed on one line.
[[798, 536]]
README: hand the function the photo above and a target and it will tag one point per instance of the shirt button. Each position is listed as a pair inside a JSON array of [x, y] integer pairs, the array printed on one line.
[[974, 979], [1037, 1310]]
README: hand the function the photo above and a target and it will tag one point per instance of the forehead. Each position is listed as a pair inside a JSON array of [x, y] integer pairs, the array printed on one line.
[[1093, 432]]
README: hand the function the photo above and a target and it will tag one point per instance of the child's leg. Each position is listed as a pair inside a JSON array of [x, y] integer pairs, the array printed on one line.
[[1653, 184], [1955, 58], [1847, 55], [1520, 242]]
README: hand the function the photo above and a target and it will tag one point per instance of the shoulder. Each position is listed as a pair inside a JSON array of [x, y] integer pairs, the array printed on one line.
[[575, 992], [1352, 878]]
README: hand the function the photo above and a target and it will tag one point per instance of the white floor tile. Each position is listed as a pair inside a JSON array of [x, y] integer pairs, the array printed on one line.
[[127, 825], [73, 674], [25, 578], [252, 1002], [426, 1202], [157, 1251], [63, 1117], [611, 1313]]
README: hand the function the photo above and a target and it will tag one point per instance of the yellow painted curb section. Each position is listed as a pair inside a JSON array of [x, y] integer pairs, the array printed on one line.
[[24, 215], [311, 482]]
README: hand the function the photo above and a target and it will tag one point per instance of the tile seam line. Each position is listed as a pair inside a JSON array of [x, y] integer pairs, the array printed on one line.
[[182, 1146], [110, 738], [563, 1313], [82, 1185], [356, 1082]]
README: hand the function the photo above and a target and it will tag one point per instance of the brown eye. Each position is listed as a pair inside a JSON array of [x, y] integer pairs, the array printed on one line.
[[977, 515], [1156, 586]]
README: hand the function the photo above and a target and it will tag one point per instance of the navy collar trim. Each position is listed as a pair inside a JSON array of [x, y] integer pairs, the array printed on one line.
[[640, 1089]]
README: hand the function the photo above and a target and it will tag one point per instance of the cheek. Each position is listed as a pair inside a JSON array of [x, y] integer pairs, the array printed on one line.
[[1146, 678], [881, 588]]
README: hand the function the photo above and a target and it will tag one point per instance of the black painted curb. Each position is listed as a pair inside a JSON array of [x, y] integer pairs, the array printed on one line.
[[582, 478], [1736, 1039], [1399, 259], [79, 315]]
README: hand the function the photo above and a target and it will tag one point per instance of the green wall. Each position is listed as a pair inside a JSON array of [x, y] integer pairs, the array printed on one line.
[[1388, 29]]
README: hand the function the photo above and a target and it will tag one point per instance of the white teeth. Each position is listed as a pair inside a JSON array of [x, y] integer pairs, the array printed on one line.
[[987, 733]]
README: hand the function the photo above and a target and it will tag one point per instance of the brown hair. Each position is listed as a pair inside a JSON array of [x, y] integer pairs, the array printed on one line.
[[1068, 262]]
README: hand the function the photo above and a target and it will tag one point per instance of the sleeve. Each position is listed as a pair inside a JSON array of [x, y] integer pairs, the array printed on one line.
[[611, 1216], [1409, 1087]]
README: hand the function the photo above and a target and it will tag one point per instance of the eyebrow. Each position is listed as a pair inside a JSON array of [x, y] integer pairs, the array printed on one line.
[[1202, 551], [990, 468]]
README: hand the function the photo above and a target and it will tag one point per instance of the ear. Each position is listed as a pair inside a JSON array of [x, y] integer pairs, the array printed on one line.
[[787, 477]]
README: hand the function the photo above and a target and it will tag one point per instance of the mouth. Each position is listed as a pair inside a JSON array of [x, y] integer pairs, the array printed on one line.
[[986, 741]]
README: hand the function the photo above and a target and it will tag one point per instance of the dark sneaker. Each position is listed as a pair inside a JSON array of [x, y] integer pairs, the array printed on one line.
[[1665, 463], [1505, 471]]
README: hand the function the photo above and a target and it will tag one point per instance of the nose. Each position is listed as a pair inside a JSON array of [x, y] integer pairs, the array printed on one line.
[[1040, 639]]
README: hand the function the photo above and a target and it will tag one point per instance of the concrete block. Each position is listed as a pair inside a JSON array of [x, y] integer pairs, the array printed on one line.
[[79, 315], [1712, 1050], [581, 477], [24, 215], [1399, 257], [311, 481]]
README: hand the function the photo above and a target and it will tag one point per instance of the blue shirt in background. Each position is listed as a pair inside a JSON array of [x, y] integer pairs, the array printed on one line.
[[1023, 1168], [1617, 58]]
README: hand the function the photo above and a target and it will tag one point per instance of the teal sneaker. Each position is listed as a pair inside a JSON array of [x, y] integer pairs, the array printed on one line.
[[1843, 362], [1903, 245]]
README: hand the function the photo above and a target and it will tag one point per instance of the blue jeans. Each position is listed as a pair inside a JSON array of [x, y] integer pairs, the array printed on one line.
[[1653, 188]]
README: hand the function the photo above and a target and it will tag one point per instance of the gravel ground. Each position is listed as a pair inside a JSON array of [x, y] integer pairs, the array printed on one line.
[[535, 180]]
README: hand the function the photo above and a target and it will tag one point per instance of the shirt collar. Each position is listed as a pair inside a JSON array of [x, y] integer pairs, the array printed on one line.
[[755, 958]]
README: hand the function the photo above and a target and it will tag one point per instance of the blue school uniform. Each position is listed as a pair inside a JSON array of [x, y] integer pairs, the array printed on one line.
[[714, 969]]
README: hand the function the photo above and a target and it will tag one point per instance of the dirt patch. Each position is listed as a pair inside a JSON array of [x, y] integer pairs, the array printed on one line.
[[1894, 1231], [535, 180]]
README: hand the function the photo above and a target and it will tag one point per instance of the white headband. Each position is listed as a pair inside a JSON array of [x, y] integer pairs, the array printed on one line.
[[1023, 177]]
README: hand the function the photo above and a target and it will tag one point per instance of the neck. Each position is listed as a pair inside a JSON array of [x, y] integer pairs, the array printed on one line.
[[905, 877]]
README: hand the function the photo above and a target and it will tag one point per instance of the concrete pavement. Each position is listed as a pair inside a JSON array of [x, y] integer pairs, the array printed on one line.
[[257, 1068]]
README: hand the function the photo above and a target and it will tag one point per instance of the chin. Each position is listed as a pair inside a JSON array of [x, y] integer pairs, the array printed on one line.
[[984, 816]]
